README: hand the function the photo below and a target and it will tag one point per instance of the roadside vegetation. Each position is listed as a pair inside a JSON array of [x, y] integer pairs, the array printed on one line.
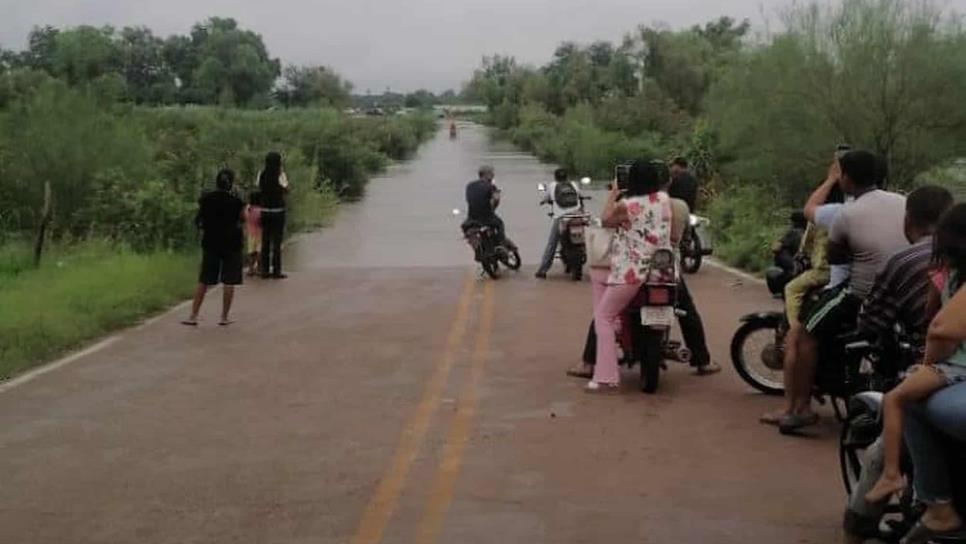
[[758, 115], [100, 171]]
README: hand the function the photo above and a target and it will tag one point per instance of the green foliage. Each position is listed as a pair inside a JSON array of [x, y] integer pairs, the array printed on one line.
[[314, 86], [234, 66], [576, 143], [81, 293], [746, 221], [62, 137], [219, 63], [885, 75], [135, 174]]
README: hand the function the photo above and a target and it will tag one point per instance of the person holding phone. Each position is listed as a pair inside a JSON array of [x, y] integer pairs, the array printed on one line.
[[641, 216]]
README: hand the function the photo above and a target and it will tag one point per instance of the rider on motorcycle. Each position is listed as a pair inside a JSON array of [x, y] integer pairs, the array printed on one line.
[[684, 186], [482, 200], [866, 233], [564, 196]]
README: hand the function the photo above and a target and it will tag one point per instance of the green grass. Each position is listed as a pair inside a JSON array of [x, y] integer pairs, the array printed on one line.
[[82, 293]]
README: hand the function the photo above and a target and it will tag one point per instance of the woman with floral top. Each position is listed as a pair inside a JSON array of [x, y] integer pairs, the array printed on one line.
[[641, 216]]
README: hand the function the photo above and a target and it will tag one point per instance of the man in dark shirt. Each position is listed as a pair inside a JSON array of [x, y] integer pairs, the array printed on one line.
[[683, 184], [220, 215], [482, 199]]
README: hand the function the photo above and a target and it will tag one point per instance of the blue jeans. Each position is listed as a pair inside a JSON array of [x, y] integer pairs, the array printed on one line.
[[551, 251], [927, 428]]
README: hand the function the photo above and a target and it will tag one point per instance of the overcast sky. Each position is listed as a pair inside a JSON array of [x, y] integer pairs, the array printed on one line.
[[402, 44]]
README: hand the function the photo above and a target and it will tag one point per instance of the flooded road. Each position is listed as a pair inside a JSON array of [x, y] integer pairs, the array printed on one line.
[[406, 218], [385, 393]]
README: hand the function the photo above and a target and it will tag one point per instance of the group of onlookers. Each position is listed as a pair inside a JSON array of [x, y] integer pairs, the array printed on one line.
[[877, 260], [226, 249]]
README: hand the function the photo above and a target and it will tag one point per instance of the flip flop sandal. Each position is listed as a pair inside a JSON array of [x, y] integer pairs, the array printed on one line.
[[772, 419], [793, 423], [225, 322], [190, 322], [920, 534]]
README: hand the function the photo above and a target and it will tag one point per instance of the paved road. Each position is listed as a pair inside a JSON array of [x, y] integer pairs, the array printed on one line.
[[386, 394]]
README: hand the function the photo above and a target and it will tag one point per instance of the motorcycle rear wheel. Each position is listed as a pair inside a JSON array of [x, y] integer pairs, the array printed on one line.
[[511, 258], [651, 359], [743, 367], [491, 267], [692, 254]]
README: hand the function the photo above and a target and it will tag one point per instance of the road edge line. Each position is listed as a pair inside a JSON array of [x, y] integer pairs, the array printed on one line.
[[98, 345], [735, 272]]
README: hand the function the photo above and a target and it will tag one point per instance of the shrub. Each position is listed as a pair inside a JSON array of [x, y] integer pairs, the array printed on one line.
[[745, 222]]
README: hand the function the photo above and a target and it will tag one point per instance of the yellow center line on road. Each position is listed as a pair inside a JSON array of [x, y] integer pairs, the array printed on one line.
[[382, 504], [441, 494]]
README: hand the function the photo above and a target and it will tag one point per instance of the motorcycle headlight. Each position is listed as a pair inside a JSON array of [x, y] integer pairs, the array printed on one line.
[[694, 221]]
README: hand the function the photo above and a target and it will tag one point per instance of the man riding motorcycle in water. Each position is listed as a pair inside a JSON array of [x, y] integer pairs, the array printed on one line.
[[564, 196], [482, 200]]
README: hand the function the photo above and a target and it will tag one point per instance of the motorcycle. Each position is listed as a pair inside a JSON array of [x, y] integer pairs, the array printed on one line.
[[758, 355], [695, 244], [573, 250], [488, 248], [645, 337]]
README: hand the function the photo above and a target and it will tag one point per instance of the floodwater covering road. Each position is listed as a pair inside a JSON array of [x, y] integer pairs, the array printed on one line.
[[386, 393]]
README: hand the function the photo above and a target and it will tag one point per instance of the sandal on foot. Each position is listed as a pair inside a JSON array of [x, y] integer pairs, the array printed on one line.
[[225, 322], [190, 322], [773, 418], [793, 423]]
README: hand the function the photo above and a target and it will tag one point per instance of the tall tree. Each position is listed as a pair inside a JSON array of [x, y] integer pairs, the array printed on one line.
[[85, 53], [314, 86], [40, 49], [234, 66], [149, 78]]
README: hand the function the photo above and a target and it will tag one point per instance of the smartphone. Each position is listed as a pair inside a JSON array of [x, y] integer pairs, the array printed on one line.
[[841, 150], [622, 173]]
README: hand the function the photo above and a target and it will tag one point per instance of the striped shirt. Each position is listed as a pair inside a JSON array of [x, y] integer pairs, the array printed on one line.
[[900, 293]]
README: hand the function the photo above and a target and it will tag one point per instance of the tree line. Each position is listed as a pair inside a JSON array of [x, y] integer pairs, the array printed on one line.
[[216, 63]]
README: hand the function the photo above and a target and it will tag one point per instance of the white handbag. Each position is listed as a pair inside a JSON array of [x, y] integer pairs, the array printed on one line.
[[600, 241]]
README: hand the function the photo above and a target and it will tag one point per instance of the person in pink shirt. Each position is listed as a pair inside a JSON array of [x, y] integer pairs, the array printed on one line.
[[253, 231]]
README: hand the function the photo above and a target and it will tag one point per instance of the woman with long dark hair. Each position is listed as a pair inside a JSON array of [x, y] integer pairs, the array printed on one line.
[[273, 186], [641, 215]]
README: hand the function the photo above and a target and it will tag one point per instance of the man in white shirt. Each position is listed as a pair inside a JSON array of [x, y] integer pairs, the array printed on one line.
[[564, 197]]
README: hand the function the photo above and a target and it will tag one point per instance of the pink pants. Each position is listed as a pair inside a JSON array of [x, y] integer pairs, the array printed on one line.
[[609, 303]]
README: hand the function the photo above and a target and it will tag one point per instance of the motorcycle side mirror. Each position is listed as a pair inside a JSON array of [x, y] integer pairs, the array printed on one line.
[[585, 181], [541, 187]]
